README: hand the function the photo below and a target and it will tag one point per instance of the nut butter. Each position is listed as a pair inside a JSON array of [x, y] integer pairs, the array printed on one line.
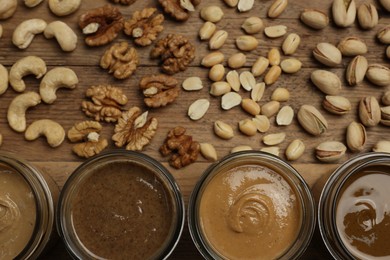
[[354, 209], [251, 205], [27, 199], [120, 205]]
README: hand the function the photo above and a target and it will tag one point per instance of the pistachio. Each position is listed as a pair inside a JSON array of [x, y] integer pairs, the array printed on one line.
[[344, 12], [385, 4], [277, 8], [285, 116], [250, 106], [198, 109], [382, 147], [356, 136], [241, 148], [223, 130], [211, 13], [337, 105], [385, 111], [247, 80], [356, 70], [262, 123], [271, 150], [217, 72], [388, 52], [275, 31], [237, 60], [274, 139], [192, 83], [386, 98], [369, 111], [234, 80], [326, 81], [367, 16], [260, 66], [315, 19], [274, 57], [330, 151], [327, 54], [378, 74], [258, 91], [295, 150], [245, 5], [207, 30], [230, 100], [252, 25], [219, 88], [272, 75], [312, 120], [383, 35], [352, 46], [247, 127], [208, 151], [231, 3], [291, 65], [280, 94], [218, 39], [291, 43], [270, 109], [212, 59], [246, 43]]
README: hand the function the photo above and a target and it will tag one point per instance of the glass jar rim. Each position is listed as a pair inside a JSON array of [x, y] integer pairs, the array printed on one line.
[[74, 246], [45, 209], [308, 220], [328, 200]]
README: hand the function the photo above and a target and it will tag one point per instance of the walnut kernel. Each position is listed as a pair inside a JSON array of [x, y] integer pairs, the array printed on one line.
[[120, 59], [144, 26], [159, 90], [179, 9]]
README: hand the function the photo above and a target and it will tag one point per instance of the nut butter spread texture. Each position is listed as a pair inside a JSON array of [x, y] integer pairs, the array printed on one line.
[[363, 213], [123, 211], [17, 213], [250, 212]]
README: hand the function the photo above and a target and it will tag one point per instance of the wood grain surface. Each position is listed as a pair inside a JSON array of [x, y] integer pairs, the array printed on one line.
[[60, 162]]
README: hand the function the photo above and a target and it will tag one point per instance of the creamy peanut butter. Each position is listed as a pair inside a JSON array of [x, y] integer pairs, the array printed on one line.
[[250, 212], [17, 213], [363, 213]]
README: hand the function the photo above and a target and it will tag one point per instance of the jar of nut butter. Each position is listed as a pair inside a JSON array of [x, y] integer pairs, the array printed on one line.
[[251, 205], [120, 205], [354, 209], [27, 206]]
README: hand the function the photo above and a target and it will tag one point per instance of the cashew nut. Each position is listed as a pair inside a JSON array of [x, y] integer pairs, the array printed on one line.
[[32, 3], [54, 132], [23, 67], [57, 78], [17, 110], [64, 7], [65, 36], [25, 32], [3, 79], [7, 8]]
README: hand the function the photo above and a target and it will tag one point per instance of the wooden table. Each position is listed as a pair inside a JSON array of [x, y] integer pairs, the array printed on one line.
[[60, 162]]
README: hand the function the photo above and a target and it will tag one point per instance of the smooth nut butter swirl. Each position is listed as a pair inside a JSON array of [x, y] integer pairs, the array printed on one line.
[[17, 213], [249, 212], [363, 213]]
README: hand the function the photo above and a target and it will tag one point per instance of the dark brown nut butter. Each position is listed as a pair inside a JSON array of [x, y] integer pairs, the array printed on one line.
[[120, 206]]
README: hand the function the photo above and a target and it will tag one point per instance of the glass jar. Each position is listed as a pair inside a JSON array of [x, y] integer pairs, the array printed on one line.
[[251, 205], [354, 207], [27, 205], [120, 204]]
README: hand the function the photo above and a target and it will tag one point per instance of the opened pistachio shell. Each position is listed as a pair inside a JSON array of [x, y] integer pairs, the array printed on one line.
[[382, 147], [378, 74], [367, 16], [369, 111], [330, 151], [337, 105], [327, 54], [312, 120], [352, 46], [356, 70], [356, 136], [326, 81], [315, 19], [383, 35], [386, 98], [385, 111], [344, 12]]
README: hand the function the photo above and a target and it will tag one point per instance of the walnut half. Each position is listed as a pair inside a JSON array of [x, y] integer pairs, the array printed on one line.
[[159, 90], [181, 147], [120, 59], [179, 9], [134, 129], [144, 26], [176, 53]]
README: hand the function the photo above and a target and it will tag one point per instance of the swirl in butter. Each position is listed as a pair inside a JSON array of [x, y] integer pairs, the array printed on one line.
[[17, 213], [363, 214], [249, 212]]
